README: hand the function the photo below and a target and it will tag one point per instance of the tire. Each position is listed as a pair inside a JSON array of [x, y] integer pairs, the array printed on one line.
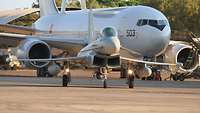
[[49, 75], [66, 80], [181, 78], [175, 77], [41, 72], [131, 81], [105, 84], [160, 78], [149, 78], [144, 78]]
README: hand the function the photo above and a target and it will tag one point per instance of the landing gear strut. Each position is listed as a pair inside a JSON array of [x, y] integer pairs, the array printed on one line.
[[40, 72], [130, 78], [66, 78], [43, 72], [123, 73]]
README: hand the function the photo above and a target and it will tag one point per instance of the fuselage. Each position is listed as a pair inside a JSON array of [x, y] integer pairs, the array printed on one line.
[[140, 28]]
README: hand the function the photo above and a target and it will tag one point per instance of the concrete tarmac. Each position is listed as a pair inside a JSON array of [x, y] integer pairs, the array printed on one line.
[[85, 95]]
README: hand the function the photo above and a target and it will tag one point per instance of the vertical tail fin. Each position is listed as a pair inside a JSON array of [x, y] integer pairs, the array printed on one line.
[[47, 7]]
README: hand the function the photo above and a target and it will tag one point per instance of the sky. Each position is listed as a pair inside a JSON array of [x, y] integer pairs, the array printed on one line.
[[13, 4]]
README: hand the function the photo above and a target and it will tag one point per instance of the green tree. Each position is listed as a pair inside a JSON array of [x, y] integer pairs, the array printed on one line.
[[118, 3]]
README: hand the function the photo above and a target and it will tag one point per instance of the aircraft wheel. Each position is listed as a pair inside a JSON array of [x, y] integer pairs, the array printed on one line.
[[49, 75], [175, 77], [41, 72], [66, 79], [105, 84], [181, 78], [131, 79]]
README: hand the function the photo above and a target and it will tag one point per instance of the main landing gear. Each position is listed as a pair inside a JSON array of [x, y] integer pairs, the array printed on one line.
[[177, 77], [130, 78], [101, 74], [66, 78], [43, 72]]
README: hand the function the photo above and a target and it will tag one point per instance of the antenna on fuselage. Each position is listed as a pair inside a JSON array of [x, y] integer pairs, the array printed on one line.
[[91, 35], [90, 26], [64, 2], [83, 4]]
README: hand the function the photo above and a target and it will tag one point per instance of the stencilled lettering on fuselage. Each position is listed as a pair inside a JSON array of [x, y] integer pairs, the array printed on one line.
[[131, 33]]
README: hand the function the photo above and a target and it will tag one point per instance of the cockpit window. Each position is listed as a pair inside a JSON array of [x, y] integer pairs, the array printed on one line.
[[108, 32], [162, 22], [142, 22], [153, 22], [159, 24]]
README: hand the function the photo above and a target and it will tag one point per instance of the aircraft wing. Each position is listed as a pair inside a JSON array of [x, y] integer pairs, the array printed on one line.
[[147, 62], [77, 60], [74, 59], [57, 41], [7, 16], [129, 56]]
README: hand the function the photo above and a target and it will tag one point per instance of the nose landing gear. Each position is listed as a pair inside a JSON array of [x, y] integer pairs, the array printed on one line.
[[101, 74]]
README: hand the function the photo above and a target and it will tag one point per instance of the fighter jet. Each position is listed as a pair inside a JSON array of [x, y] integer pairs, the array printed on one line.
[[100, 39]]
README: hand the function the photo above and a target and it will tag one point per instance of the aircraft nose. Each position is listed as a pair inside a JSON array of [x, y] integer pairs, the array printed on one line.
[[110, 46], [161, 39], [153, 40], [165, 34]]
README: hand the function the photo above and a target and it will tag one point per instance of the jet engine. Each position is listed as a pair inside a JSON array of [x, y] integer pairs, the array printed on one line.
[[181, 53], [33, 49], [54, 69], [143, 71]]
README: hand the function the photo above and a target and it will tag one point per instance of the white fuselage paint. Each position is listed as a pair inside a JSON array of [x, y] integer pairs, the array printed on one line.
[[147, 40]]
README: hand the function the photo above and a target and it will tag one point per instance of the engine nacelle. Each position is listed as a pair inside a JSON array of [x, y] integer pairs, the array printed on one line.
[[143, 71], [54, 69], [181, 53], [34, 49]]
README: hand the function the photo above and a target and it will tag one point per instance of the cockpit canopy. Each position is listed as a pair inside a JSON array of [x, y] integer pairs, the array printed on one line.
[[159, 24], [109, 32]]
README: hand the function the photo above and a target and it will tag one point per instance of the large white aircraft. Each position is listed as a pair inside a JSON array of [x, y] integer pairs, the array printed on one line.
[[102, 39]]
